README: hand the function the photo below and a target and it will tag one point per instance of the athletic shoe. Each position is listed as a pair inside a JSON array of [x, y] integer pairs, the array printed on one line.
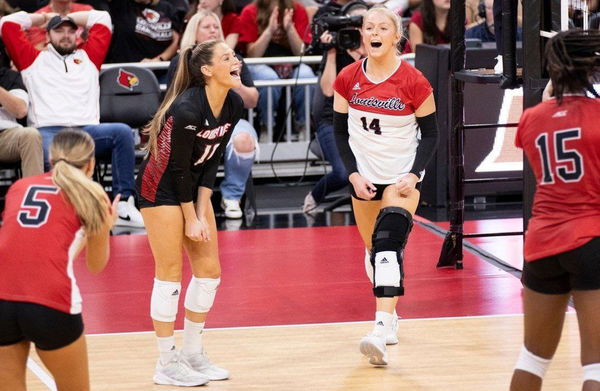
[[177, 372], [232, 208], [309, 204], [392, 338], [129, 215], [200, 363], [373, 346]]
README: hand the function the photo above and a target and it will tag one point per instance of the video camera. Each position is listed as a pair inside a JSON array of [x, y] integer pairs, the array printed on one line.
[[343, 30]]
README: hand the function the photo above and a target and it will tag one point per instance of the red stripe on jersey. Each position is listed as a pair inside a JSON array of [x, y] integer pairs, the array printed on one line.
[[157, 166]]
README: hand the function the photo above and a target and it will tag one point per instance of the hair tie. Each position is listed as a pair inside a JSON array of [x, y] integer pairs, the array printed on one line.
[[63, 160]]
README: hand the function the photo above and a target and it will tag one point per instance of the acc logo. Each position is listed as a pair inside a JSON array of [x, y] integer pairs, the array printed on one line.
[[127, 79], [151, 15]]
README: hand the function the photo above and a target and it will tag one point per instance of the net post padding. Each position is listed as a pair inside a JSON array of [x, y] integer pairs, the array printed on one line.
[[509, 44]]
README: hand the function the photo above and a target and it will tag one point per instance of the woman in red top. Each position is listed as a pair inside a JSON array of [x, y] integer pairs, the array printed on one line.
[[225, 10], [561, 139], [430, 24], [47, 220]]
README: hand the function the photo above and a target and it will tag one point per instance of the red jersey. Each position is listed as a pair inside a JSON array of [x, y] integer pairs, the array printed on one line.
[[39, 239], [562, 145], [382, 127]]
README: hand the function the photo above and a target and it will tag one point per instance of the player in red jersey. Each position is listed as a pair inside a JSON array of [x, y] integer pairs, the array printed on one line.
[[561, 139], [187, 138], [47, 220], [386, 132]]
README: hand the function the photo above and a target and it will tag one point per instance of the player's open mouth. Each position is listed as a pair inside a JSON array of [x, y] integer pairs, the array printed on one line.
[[376, 44], [235, 73]]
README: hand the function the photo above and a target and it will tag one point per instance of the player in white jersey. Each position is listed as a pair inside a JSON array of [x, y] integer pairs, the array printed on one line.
[[386, 131]]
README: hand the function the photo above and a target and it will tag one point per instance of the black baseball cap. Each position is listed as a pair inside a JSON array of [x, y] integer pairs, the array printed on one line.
[[59, 20]]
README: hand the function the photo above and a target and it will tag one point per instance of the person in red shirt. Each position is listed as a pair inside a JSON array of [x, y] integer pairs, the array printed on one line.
[[61, 212], [225, 10], [276, 29], [37, 35], [561, 140], [429, 24]]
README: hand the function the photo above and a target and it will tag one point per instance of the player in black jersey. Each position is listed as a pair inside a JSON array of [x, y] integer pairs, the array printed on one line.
[[188, 135]]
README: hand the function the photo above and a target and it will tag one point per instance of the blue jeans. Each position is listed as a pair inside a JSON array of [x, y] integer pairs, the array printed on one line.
[[113, 138], [338, 177], [265, 72], [238, 166]]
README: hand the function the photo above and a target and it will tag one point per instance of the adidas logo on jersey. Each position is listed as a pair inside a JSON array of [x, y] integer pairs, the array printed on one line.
[[175, 293], [356, 86], [191, 127], [558, 114]]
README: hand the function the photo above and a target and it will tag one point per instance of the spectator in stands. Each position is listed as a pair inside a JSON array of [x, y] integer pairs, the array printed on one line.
[[484, 30], [145, 30], [225, 10], [430, 24], [332, 63], [276, 29], [16, 142], [241, 149], [64, 91], [37, 35]]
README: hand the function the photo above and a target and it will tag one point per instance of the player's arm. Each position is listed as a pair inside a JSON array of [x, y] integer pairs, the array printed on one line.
[[98, 243], [340, 131], [427, 121]]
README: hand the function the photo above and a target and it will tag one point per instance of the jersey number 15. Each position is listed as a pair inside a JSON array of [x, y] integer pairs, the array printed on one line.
[[568, 163]]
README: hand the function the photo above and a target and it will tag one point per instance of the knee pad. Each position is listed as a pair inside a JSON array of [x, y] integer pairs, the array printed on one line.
[[391, 231], [531, 363], [164, 300], [200, 294], [591, 372]]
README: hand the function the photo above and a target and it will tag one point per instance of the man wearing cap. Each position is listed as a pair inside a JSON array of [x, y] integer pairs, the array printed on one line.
[[63, 87]]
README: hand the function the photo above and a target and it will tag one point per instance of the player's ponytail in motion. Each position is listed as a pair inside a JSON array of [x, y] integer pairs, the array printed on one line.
[[188, 74], [70, 151], [573, 62]]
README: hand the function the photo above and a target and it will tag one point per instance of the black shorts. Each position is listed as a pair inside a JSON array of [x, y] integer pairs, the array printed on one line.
[[47, 328], [379, 192], [577, 269]]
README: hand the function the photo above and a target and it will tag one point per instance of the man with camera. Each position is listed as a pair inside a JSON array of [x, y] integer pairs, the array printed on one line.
[[337, 26]]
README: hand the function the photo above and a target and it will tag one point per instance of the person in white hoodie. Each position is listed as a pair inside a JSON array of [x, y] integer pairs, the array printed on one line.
[[63, 87]]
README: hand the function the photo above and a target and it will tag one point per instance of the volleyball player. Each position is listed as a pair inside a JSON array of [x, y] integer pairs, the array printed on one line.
[[47, 220], [187, 137], [561, 139], [386, 131]]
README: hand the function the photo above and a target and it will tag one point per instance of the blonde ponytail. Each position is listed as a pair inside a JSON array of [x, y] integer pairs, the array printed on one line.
[[70, 151]]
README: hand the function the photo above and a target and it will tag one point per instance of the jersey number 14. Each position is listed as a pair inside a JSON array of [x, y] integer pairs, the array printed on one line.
[[374, 125]]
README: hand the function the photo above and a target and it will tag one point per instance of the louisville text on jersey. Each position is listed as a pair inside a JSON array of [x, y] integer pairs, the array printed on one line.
[[389, 104], [211, 134]]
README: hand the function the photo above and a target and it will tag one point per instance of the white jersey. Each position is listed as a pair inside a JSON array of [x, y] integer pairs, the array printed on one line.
[[382, 127]]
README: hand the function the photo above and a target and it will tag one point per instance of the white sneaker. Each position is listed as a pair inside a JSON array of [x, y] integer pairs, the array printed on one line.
[[201, 364], [392, 338], [309, 204], [232, 208], [129, 215], [177, 372], [373, 346]]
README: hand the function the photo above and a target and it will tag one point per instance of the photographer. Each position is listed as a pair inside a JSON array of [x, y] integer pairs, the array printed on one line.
[[336, 57]]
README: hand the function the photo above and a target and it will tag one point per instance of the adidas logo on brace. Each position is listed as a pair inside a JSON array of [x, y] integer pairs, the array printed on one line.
[[380, 323], [175, 293], [384, 260]]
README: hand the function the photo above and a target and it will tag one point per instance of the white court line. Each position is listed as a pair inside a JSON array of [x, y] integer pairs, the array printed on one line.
[[316, 324], [41, 374]]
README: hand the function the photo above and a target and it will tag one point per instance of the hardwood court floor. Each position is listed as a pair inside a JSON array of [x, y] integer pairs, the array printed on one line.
[[452, 354]]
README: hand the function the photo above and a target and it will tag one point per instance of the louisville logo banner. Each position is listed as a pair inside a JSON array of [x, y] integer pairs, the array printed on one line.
[[127, 79]]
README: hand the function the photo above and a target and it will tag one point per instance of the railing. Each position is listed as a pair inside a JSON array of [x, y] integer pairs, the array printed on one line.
[[290, 149]]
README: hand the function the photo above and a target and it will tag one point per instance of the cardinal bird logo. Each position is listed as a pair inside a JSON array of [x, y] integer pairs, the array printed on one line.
[[127, 79], [151, 15]]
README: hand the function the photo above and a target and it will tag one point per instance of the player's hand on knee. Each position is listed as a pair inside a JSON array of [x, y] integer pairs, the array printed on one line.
[[193, 230], [406, 184], [362, 187]]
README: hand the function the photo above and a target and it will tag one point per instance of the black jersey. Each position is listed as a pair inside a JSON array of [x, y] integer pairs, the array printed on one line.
[[190, 146]]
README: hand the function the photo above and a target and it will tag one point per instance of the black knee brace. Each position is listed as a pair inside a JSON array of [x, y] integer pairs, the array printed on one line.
[[391, 231]]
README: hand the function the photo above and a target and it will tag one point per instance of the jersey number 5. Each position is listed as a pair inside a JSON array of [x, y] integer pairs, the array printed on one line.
[[374, 125], [567, 162], [34, 211]]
